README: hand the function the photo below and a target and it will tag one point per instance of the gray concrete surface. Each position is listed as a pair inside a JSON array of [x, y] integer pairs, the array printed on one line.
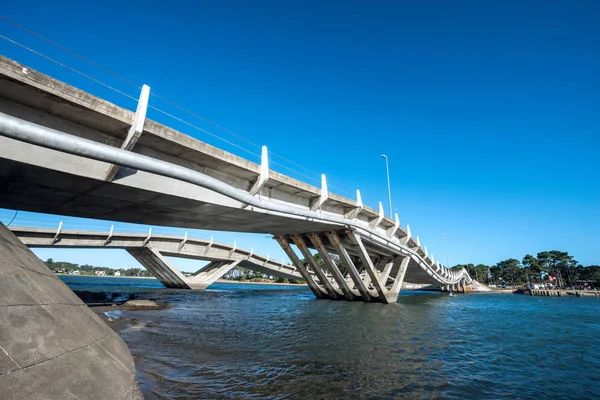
[[52, 346]]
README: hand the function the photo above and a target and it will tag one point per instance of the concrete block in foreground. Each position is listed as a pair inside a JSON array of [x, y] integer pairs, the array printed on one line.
[[52, 346]]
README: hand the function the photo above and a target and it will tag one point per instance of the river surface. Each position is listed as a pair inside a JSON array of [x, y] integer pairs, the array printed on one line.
[[278, 342]]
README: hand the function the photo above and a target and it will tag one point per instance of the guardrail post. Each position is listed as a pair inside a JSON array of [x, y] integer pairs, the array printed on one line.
[[108, 239], [324, 194], [375, 223], [356, 210], [182, 243], [135, 130], [148, 237], [264, 172], [56, 236]]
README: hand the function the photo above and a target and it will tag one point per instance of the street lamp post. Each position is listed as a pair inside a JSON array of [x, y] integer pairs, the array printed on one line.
[[446, 248], [387, 170]]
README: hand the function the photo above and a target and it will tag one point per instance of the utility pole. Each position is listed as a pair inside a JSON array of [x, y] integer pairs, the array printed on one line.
[[446, 248], [387, 170]]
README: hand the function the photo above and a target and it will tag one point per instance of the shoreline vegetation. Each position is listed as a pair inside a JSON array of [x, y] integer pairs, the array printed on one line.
[[556, 267]]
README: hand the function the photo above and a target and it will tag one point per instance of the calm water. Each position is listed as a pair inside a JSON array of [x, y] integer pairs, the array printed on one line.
[[256, 341]]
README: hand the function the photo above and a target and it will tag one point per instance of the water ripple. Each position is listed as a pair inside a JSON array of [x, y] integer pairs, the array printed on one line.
[[283, 344]]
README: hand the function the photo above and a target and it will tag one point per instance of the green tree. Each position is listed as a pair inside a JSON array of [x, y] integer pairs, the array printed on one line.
[[558, 264], [533, 264], [510, 270]]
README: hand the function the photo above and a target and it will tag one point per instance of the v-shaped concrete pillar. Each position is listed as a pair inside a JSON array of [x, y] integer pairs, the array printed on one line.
[[154, 262], [172, 278], [211, 272]]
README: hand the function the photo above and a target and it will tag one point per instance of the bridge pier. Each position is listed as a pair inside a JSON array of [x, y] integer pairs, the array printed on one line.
[[154, 262], [208, 274], [345, 268]]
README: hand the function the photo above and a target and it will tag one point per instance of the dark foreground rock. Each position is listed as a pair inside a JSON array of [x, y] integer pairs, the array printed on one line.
[[52, 346]]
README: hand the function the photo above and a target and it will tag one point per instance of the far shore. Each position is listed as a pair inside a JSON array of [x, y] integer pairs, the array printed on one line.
[[108, 276], [259, 283]]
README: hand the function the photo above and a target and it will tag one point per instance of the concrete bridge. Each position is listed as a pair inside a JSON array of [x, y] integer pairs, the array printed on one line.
[[65, 151], [150, 249]]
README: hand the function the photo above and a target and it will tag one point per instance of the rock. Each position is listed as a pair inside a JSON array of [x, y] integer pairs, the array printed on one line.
[[142, 305], [109, 319]]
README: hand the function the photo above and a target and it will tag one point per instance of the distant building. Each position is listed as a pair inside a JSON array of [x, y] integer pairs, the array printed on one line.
[[118, 273], [76, 272], [100, 273]]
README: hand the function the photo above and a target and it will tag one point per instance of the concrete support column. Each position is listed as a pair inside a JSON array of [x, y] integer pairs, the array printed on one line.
[[382, 292], [397, 286], [159, 267], [319, 292], [331, 266], [347, 262], [211, 272], [389, 264], [321, 272]]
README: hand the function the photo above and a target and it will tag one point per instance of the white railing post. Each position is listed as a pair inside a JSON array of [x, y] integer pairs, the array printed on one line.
[[182, 243], [56, 236], [108, 239], [323, 196], [147, 237]]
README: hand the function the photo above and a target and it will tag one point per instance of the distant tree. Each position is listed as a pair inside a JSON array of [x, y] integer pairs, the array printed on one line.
[[558, 264], [482, 273], [533, 265], [510, 270]]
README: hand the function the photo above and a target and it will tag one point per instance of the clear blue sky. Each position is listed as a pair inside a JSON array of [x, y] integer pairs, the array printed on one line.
[[489, 111]]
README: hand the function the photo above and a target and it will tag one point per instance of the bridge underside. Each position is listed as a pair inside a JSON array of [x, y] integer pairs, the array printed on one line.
[[28, 187], [348, 267]]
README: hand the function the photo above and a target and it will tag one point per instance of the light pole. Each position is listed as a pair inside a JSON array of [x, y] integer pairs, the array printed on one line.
[[387, 171], [446, 248]]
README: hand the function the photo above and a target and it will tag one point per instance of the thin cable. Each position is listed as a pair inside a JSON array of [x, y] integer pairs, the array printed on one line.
[[69, 68], [69, 51], [163, 99], [238, 136], [13, 218], [203, 130]]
